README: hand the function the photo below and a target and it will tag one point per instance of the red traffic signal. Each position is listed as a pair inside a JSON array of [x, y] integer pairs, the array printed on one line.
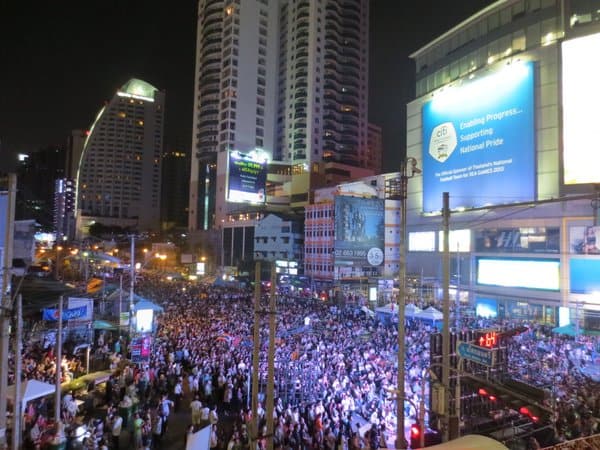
[[415, 431]]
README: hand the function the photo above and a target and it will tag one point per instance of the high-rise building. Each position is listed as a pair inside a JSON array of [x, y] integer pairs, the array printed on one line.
[[75, 143], [175, 188], [119, 176], [64, 209], [374, 148], [288, 77], [37, 175]]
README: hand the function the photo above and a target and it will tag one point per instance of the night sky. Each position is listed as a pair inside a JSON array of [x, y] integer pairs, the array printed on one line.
[[59, 61]]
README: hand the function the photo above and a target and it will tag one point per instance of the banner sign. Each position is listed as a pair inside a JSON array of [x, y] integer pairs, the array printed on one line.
[[68, 314], [247, 179], [140, 349], [479, 140], [359, 231]]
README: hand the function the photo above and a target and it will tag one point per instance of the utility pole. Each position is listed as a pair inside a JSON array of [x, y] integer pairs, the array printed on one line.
[[400, 434], [404, 176], [271, 358], [6, 300], [446, 317], [17, 412], [58, 362], [131, 285], [255, 355]]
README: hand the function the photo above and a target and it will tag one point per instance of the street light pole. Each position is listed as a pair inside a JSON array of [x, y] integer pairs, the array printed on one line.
[[446, 317], [404, 176]]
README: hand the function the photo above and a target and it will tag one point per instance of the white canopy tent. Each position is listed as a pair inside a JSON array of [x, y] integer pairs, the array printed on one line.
[[430, 314], [31, 390], [411, 310]]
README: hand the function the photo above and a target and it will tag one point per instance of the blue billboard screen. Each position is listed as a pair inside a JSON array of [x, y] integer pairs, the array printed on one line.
[[359, 231], [583, 275], [479, 141]]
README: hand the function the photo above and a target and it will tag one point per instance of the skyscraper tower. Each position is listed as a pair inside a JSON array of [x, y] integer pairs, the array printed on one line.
[[118, 181], [288, 77], [322, 98]]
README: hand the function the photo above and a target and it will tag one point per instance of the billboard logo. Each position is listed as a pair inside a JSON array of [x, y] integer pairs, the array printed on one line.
[[442, 142]]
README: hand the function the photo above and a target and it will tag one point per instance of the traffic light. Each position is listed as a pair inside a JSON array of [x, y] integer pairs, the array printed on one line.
[[527, 400], [415, 435]]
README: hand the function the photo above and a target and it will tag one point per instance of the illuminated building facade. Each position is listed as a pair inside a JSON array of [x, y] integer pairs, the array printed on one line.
[[501, 122], [119, 176]]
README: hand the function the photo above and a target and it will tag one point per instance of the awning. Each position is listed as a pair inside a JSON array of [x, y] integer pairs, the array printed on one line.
[[31, 390], [147, 304], [104, 325]]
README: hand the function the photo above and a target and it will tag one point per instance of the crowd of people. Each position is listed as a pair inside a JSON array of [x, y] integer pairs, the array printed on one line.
[[335, 373], [554, 362]]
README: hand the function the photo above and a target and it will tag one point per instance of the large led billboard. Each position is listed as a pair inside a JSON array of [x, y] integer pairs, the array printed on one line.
[[479, 140], [580, 99], [519, 273], [583, 276], [247, 178], [359, 231]]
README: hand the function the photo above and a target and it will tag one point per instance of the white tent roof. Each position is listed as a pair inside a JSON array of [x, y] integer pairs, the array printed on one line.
[[430, 314], [390, 308], [31, 390], [411, 310]]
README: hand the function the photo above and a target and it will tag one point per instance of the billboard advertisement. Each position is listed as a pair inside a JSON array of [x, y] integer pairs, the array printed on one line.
[[584, 240], [583, 276], [519, 273], [247, 178], [359, 231], [518, 240], [75, 302], [479, 141], [579, 105]]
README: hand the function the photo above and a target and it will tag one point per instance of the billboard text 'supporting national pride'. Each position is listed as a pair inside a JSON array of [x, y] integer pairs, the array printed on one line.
[[479, 141]]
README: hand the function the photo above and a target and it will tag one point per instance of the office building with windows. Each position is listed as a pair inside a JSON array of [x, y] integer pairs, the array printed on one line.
[[502, 123], [119, 175]]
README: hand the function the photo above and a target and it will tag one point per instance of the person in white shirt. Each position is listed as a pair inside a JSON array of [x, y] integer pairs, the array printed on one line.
[[115, 430], [213, 417], [196, 407], [204, 416]]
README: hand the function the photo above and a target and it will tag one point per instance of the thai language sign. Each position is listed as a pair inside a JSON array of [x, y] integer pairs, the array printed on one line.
[[247, 179]]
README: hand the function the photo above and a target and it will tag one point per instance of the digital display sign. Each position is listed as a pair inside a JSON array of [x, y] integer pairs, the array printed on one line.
[[579, 104], [421, 241], [247, 179], [460, 241], [518, 240], [583, 276], [479, 141], [359, 231], [519, 273]]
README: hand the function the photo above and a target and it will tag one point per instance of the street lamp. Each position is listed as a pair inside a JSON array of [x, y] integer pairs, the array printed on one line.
[[58, 250], [406, 172]]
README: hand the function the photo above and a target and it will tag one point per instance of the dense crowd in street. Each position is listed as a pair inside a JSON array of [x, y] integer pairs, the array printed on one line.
[[335, 373]]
